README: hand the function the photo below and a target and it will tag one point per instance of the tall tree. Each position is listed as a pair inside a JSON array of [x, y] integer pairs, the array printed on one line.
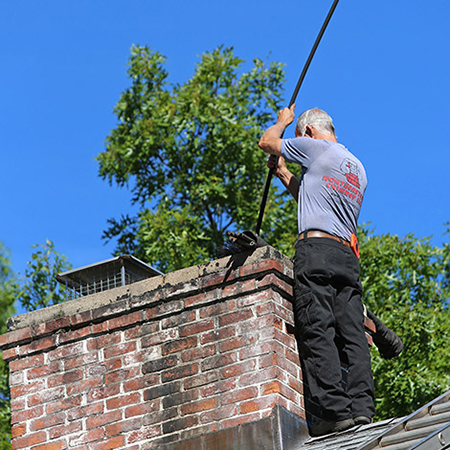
[[8, 288], [188, 153], [407, 284], [39, 288]]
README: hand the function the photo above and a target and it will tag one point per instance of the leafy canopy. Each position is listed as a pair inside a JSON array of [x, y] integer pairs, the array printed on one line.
[[407, 284], [8, 288], [40, 288], [188, 153]]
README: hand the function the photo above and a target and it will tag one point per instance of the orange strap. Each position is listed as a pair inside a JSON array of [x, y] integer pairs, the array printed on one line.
[[354, 245]]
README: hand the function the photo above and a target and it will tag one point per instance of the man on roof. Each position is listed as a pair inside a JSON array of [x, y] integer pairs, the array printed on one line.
[[327, 293]]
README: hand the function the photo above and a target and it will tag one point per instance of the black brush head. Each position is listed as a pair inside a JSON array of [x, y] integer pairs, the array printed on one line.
[[228, 249], [240, 242]]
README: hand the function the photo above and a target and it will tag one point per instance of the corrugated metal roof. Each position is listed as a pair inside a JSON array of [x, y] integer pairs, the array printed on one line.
[[415, 428], [350, 439], [428, 428]]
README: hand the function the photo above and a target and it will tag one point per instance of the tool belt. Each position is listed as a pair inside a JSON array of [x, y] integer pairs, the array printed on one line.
[[317, 233]]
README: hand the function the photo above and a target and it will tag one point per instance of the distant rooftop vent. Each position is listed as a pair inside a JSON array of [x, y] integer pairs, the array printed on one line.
[[104, 275]]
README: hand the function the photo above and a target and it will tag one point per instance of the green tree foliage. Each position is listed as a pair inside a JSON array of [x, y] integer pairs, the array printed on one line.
[[407, 284], [40, 288], [8, 288], [188, 153]]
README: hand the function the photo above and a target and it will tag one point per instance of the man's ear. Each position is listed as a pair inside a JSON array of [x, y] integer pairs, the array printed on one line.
[[308, 131]]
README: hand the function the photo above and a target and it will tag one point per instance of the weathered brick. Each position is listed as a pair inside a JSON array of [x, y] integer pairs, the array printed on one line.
[[81, 318], [144, 433], [160, 364], [218, 361], [9, 354], [142, 382], [39, 345], [119, 376], [27, 362], [104, 392], [178, 345], [258, 404], [180, 424], [219, 414], [103, 419], [240, 420], [62, 405], [64, 430], [47, 421], [108, 444], [119, 428], [18, 404], [86, 437], [238, 369], [196, 328], [66, 351], [101, 342], [179, 372], [235, 317], [109, 310], [162, 390], [147, 407], [125, 320], [199, 299], [178, 319], [179, 398], [239, 395], [199, 406], [218, 387], [80, 360], [275, 281], [261, 266], [26, 414], [119, 349], [159, 338], [44, 370], [160, 416], [218, 335], [201, 379], [92, 409], [27, 389], [122, 401], [54, 445], [85, 385], [29, 440], [198, 353], [165, 308], [234, 343], [15, 337], [217, 309], [18, 429]]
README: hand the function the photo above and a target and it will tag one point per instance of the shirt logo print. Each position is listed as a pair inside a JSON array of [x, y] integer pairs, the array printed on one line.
[[351, 172]]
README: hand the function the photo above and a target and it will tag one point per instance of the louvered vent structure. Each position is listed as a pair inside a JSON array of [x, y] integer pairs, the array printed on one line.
[[105, 275]]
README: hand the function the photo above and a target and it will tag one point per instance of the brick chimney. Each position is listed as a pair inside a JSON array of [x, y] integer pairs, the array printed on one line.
[[201, 358]]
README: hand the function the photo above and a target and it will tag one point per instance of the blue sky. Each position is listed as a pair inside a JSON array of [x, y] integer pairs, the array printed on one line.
[[381, 72]]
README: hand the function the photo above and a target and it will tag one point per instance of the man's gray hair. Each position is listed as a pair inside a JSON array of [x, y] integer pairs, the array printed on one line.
[[318, 119]]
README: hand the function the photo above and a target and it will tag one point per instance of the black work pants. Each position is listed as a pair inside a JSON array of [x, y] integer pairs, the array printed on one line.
[[330, 321]]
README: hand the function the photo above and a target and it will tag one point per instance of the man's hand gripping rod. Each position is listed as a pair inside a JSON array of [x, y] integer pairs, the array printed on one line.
[[293, 98]]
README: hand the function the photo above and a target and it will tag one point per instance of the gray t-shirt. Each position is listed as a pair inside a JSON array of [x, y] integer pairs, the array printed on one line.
[[332, 185]]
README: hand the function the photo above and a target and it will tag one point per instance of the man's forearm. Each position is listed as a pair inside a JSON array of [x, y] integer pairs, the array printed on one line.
[[290, 182]]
